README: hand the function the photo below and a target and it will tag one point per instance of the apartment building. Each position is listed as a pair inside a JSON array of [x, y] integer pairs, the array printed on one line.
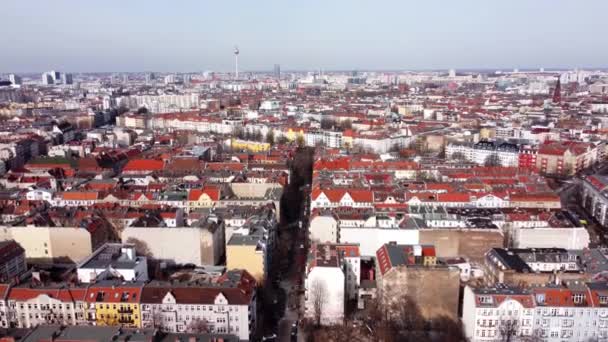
[[486, 153], [113, 260], [225, 307], [27, 306], [12, 260], [572, 311]]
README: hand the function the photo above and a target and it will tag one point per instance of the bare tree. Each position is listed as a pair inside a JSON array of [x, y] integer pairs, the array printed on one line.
[[270, 137], [458, 156], [507, 329], [282, 140], [536, 336], [199, 326], [346, 124], [300, 140], [157, 319], [319, 296], [141, 247], [492, 160], [328, 123]]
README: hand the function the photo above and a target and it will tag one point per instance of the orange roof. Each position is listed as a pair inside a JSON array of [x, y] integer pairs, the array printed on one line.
[[113, 294], [212, 191], [144, 165], [62, 294], [80, 195], [453, 197], [225, 166]]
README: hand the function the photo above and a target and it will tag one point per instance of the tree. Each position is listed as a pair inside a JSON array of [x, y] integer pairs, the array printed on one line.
[[270, 137], [157, 319], [142, 110], [121, 110], [327, 123], [282, 140], [199, 326], [319, 297], [507, 329], [238, 132], [141, 247], [406, 315], [450, 330], [492, 160], [346, 124], [458, 156], [257, 135], [300, 141]]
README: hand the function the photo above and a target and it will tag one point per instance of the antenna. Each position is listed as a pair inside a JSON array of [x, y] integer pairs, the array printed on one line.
[[236, 61]]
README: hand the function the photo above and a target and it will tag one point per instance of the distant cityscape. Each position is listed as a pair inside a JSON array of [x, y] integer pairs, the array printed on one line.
[[282, 205]]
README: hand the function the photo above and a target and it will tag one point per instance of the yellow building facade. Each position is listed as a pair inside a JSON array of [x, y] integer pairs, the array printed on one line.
[[115, 305], [247, 257], [252, 146]]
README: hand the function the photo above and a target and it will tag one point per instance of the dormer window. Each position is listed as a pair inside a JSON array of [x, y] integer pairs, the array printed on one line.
[[578, 298], [540, 298], [485, 299]]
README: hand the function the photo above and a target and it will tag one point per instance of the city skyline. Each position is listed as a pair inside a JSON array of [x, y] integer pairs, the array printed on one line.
[[118, 37]]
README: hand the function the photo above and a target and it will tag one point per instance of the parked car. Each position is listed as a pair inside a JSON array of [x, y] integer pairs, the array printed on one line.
[[272, 337]]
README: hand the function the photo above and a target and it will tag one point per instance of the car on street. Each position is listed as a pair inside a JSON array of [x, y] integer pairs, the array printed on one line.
[[272, 337]]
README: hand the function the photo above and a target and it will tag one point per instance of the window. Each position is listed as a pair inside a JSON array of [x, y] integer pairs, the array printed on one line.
[[485, 299], [578, 298]]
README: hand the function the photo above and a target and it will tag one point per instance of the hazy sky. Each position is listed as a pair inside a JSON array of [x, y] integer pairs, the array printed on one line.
[[184, 35]]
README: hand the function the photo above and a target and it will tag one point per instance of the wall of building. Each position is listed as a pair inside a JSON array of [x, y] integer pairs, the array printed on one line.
[[472, 244], [569, 238], [326, 284], [52, 242], [247, 258], [435, 289], [184, 245], [324, 229], [256, 190], [371, 239]]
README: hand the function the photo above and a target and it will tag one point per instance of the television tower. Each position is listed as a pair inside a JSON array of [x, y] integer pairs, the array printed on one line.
[[236, 61]]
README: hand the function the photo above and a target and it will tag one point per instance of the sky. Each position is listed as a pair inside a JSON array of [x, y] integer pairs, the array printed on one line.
[[198, 35]]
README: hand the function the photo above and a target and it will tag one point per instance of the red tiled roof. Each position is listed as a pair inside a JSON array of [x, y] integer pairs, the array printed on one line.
[[453, 197], [61, 294], [80, 195], [113, 294], [212, 191], [144, 165]]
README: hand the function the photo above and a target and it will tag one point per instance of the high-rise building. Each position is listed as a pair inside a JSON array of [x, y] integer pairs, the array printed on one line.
[[452, 73], [150, 77], [170, 79], [56, 77], [277, 71], [15, 80], [66, 78], [47, 78]]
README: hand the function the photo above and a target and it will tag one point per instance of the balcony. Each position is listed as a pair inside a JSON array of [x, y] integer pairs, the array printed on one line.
[[126, 320], [125, 310]]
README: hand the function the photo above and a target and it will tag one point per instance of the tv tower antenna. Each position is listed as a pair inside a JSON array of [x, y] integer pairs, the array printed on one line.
[[236, 62]]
